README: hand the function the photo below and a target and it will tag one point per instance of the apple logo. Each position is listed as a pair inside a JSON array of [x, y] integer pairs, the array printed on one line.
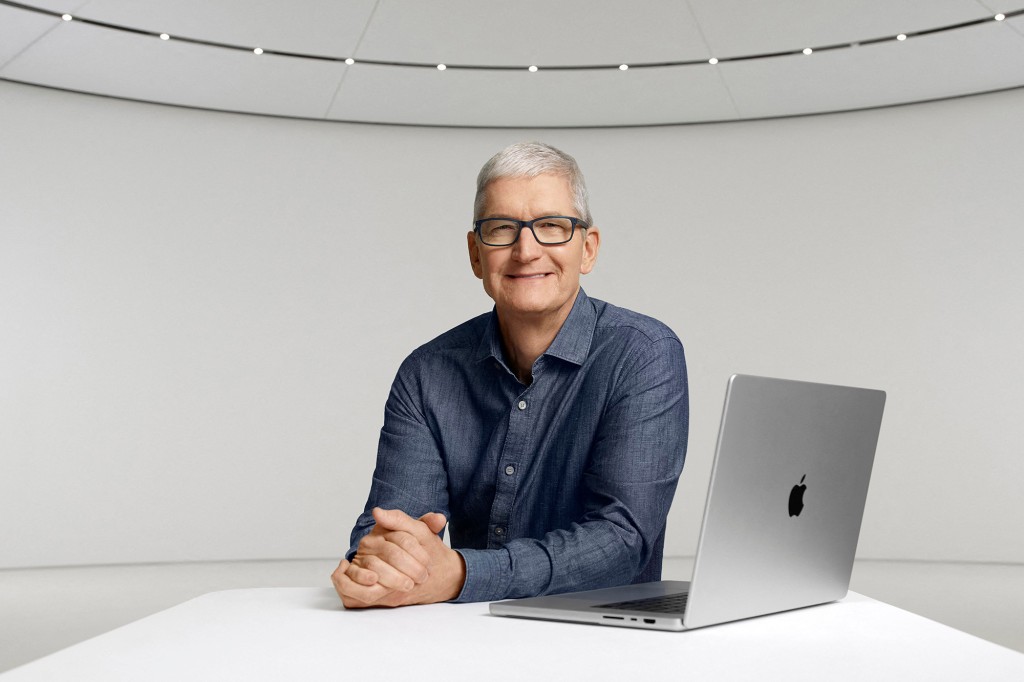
[[796, 498]]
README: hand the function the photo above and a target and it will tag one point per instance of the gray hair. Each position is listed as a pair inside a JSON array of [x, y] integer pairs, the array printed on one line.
[[530, 159]]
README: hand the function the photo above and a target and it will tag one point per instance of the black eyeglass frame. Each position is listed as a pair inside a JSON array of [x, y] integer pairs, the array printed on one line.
[[575, 222]]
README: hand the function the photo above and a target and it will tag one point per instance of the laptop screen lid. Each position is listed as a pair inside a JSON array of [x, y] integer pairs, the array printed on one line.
[[786, 498]]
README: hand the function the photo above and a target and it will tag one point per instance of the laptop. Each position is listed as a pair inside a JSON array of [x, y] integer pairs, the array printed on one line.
[[781, 521]]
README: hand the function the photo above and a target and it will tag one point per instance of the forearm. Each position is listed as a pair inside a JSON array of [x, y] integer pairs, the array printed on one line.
[[601, 552], [526, 568]]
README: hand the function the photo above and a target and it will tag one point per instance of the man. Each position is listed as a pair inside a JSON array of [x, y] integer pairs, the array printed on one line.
[[551, 431]]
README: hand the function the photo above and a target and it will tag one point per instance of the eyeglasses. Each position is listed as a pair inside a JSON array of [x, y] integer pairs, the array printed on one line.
[[549, 229]]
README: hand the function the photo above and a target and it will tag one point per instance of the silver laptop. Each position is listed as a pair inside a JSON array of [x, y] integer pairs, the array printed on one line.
[[781, 520]]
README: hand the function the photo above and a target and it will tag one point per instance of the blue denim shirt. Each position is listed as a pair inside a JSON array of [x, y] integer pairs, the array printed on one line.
[[559, 486]]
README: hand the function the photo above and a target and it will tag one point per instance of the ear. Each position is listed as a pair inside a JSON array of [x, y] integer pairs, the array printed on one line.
[[591, 245], [474, 255]]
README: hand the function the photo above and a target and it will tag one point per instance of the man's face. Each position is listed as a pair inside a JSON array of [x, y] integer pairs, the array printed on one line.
[[528, 278]]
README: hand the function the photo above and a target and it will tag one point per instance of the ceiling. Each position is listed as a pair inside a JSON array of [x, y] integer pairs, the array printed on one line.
[[209, 59]]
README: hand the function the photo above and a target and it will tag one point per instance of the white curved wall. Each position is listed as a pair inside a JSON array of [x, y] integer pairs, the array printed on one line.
[[200, 313]]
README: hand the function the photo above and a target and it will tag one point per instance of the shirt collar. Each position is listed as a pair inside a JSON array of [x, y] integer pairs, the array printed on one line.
[[572, 343]]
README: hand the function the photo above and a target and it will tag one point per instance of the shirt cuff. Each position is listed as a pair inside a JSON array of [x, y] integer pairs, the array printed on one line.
[[488, 574], [522, 568]]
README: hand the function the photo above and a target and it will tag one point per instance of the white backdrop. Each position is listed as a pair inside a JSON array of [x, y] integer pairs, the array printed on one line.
[[201, 313]]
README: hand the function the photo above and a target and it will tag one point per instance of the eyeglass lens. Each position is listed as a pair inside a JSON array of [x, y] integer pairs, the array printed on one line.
[[552, 230]]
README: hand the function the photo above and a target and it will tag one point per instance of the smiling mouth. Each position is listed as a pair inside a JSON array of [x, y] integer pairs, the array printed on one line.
[[539, 275]]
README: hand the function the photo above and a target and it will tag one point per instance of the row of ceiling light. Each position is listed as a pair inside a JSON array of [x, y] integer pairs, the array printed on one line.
[[533, 68]]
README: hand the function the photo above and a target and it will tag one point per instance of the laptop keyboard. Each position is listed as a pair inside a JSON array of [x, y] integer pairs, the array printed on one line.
[[669, 603]]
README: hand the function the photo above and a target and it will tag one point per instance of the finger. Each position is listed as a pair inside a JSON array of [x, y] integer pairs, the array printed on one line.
[[388, 601], [340, 580], [354, 595], [352, 602], [396, 519], [400, 550], [387, 575], [340, 570], [361, 575], [410, 545], [435, 522], [392, 519], [355, 573]]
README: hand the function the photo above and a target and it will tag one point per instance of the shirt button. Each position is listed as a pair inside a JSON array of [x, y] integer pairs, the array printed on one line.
[[499, 531], [522, 404], [510, 470]]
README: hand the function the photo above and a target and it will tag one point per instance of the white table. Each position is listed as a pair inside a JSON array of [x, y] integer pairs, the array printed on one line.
[[304, 634]]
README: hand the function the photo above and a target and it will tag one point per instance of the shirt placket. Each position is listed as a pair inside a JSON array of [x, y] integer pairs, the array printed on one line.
[[507, 474]]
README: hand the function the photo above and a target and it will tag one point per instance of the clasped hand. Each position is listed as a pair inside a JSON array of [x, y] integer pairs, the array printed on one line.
[[401, 561]]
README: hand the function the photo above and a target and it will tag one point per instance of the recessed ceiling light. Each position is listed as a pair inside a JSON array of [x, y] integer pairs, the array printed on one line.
[[532, 68]]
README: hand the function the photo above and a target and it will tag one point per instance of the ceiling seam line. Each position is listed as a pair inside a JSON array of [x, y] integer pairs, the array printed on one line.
[[1013, 27], [28, 47], [984, 6], [707, 46], [988, 8], [355, 51], [599, 126]]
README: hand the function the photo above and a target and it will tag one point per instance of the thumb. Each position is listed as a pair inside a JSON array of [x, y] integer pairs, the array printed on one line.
[[435, 521], [389, 518]]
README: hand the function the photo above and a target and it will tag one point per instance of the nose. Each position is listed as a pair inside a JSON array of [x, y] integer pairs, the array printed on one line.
[[526, 248]]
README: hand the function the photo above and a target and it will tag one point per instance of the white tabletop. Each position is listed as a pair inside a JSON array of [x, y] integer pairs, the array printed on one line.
[[304, 633]]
